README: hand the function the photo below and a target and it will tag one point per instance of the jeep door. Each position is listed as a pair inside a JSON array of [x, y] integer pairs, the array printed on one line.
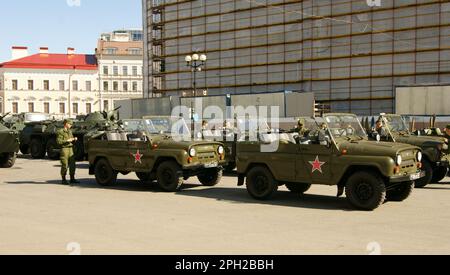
[[140, 157]]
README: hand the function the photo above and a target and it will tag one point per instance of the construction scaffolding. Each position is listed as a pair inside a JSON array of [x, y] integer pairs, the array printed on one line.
[[351, 55]]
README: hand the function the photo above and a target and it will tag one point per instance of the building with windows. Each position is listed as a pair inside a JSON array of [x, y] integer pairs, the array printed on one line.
[[120, 61], [58, 84], [350, 53]]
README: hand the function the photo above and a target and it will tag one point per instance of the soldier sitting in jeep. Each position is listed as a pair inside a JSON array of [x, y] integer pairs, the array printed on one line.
[[369, 172]]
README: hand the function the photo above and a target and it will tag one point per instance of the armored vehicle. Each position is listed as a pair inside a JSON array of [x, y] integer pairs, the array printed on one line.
[[162, 151], [336, 151], [436, 155], [9, 146]]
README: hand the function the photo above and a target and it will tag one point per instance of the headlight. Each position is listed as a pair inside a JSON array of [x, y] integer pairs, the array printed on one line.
[[419, 156], [445, 147], [192, 152], [221, 150], [399, 160]]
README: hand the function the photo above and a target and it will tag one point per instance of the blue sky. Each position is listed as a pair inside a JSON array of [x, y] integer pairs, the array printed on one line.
[[59, 24]]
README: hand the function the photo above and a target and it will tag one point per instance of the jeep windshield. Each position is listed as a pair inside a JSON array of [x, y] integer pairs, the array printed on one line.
[[396, 124], [174, 126], [345, 126], [139, 125]]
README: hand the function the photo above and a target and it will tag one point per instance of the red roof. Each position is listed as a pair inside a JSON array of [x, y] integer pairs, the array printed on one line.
[[54, 61]]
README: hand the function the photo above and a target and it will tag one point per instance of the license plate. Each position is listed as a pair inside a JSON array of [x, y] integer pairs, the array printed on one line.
[[211, 165], [417, 176]]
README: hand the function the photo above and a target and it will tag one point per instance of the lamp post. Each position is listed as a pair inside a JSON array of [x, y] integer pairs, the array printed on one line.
[[196, 62]]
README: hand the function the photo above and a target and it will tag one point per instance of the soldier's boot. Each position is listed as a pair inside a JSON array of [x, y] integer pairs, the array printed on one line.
[[64, 181], [73, 180]]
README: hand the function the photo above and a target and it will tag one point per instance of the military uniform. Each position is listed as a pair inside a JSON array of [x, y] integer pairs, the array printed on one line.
[[67, 157]]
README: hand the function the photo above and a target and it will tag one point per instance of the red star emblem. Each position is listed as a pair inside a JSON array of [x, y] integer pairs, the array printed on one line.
[[137, 157], [317, 165]]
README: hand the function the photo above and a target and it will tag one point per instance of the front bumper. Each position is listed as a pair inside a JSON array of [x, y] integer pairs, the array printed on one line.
[[197, 166], [405, 178]]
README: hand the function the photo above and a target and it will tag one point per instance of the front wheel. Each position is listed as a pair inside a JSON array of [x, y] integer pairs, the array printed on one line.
[[439, 174], [428, 169], [261, 184], [210, 177], [400, 193], [298, 188], [24, 149], [365, 190], [169, 176], [52, 149], [37, 149], [7, 160], [104, 173]]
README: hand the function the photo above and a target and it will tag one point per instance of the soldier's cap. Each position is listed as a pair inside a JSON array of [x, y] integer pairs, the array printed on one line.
[[68, 121], [301, 122]]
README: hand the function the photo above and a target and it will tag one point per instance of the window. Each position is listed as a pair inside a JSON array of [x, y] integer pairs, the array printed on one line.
[[135, 70], [88, 86], [15, 85], [75, 108], [111, 51], [135, 86], [125, 70], [88, 108], [115, 86], [15, 107], [31, 107], [46, 107], [105, 70], [116, 70], [125, 86], [75, 85], [135, 51], [62, 108], [30, 85], [105, 105], [105, 86], [62, 85], [46, 85]]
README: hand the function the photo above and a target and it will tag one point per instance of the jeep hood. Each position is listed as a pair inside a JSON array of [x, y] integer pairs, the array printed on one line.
[[420, 141], [372, 148]]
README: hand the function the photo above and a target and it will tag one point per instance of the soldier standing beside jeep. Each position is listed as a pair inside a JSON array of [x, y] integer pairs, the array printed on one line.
[[65, 140]]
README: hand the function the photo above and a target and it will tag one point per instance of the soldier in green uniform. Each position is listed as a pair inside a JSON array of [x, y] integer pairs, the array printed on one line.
[[300, 128], [65, 140], [447, 132]]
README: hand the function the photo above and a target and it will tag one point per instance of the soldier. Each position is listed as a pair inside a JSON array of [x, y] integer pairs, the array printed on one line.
[[65, 140], [447, 132], [380, 130], [300, 128]]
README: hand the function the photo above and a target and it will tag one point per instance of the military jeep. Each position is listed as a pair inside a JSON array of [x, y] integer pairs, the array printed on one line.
[[336, 151], [9, 146], [162, 152], [436, 157]]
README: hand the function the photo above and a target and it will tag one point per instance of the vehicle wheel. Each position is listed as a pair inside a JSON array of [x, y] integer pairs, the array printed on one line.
[[52, 149], [24, 149], [210, 177], [365, 190], [230, 167], [78, 150], [260, 183], [104, 173], [439, 174], [422, 182], [298, 188], [37, 149], [7, 160], [144, 177], [401, 192], [169, 176]]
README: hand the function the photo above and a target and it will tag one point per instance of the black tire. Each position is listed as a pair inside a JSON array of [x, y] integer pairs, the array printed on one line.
[[7, 160], [428, 168], [230, 167], [24, 149], [78, 150], [400, 193], [104, 173], [298, 188], [365, 190], [439, 174], [52, 149], [144, 177], [210, 177], [37, 149], [169, 176], [261, 184]]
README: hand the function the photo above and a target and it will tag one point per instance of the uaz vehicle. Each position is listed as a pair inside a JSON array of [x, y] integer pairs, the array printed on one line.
[[436, 157], [335, 152], [161, 151], [9, 146]]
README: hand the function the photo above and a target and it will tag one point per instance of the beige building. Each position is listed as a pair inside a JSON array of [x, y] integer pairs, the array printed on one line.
[[351, 54]]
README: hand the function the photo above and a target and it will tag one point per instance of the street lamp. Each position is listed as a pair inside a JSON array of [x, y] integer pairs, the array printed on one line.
[[195, 62]]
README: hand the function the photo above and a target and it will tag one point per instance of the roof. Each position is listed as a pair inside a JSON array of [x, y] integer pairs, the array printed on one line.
[[54, 61]]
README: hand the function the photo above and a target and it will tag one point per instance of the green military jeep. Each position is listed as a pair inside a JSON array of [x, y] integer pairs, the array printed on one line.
[[336, 151], [158, 149], [436, 157]]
